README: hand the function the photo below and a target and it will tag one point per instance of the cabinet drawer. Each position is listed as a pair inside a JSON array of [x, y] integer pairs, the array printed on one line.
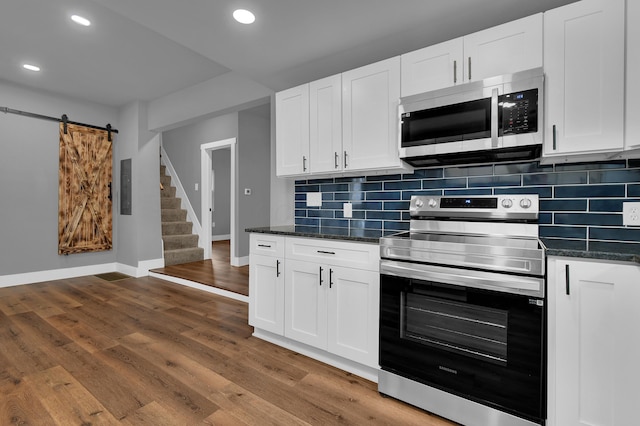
[[331, 252], [267, 244]]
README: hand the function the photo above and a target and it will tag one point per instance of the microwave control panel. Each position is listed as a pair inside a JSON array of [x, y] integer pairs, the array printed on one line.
[[518, 112]]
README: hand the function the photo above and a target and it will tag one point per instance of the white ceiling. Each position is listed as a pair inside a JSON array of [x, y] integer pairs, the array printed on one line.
[[145, 49]]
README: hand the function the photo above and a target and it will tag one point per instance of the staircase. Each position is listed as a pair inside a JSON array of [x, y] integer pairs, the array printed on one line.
[[180, 245]]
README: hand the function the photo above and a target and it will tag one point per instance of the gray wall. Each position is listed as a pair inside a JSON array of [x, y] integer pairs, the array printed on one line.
[[182, 145], [254, 172], [252, 130], [221, 216], [139, 234], [29, 183]]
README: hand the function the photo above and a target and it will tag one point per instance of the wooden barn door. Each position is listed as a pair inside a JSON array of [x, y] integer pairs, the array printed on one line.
[[84, 190]]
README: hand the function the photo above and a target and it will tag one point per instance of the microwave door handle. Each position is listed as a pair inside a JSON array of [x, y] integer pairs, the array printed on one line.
[[494, 118]]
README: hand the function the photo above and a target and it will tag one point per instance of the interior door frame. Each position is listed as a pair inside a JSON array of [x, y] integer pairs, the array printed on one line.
[[206, 167]]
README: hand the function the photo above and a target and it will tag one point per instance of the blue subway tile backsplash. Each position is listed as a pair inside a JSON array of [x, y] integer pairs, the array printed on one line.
[[580, 203]]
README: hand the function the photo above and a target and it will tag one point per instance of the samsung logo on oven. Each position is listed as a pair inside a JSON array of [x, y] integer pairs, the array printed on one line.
[[448, 370]]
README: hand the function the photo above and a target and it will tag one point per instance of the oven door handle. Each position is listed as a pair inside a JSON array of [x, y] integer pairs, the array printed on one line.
[[522, 285]]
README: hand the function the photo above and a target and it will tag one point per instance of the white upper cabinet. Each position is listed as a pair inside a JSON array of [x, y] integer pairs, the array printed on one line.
[[370, 97], [584, 73], [325, 122], [432, 68], [632, 113], [292, 131], [504, 49], [343, 123]]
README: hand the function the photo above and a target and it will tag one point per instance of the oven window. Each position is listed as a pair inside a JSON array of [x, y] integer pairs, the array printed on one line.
[[471, 330]]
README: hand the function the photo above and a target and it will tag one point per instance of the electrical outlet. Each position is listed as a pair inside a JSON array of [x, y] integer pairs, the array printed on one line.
[[348, 209], [631, 214]]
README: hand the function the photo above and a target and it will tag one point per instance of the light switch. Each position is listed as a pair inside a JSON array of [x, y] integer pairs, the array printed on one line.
[[314, 199], [196, 186]]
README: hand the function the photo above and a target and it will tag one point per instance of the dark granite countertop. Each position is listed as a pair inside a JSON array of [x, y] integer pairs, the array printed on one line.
[[560, 248], [362, 235], [563, 248]]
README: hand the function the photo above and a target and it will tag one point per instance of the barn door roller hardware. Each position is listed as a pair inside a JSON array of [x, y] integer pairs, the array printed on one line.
[[64, 120]]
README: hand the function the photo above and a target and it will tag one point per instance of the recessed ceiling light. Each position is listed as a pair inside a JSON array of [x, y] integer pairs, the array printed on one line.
[[80, 20], [244, 16], [31, 67]]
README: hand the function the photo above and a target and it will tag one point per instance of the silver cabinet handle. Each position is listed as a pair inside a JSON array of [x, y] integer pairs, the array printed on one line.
[[335, 159], [469, 67], [304, 163], [455, 71], [567, 280], [345, 160]]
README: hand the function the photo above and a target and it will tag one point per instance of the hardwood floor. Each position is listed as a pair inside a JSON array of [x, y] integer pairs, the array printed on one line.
[[214, 272], [144, 351]]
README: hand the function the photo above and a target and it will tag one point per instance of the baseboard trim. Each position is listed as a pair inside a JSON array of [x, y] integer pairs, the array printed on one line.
[[239, 261], [56, 274], [64, 273], [220, 237], [209, 289]]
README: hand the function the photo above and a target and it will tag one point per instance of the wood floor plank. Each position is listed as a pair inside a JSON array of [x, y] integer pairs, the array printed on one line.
[[21, 406], [171, 393], [152, 414], [251, 409], [22, 349], [66, 400], [88, 338], [193, 374], [119, 394]]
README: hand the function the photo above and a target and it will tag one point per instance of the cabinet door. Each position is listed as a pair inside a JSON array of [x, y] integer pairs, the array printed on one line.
[[370, 97], [325, 122], [594, 343], [431, 68], [632, 111], [306, 303], [504, 49], [292, 131], [584, 66], [353, 314], [266, 293]]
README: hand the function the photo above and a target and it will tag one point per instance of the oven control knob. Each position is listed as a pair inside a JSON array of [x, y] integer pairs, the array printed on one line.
[[525, 203], [507, 203], [433, 203], [419, 203]]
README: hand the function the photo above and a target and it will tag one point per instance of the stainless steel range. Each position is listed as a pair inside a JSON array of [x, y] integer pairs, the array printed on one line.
[[462, 319]]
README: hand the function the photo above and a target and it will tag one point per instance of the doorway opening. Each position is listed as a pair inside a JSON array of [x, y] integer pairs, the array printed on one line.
[[218, 150]]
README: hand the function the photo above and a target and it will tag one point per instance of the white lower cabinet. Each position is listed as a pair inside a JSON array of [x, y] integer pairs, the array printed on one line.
[[266, 282], [326, 296], [331, 308], [594, 343]]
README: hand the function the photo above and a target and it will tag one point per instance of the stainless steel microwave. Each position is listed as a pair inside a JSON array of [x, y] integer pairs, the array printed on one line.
[[496, 119]]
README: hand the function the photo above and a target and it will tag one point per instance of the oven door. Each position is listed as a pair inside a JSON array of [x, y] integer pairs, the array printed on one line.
[[483, 345]]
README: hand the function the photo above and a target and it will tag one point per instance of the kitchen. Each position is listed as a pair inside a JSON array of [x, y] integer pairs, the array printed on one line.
[[378, 203]]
